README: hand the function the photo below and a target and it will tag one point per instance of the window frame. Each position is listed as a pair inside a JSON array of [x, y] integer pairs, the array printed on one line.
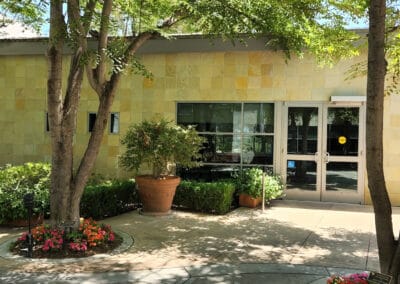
[[110, 127], [90, 129], [242, 133]]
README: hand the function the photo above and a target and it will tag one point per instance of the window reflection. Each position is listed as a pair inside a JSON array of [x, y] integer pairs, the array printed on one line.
[[301, 175], [258, 149], [209, 117], [221, 149], [341, 176], [114, 122], [209, 172], [91, 121], [302, 130], [343, 131], [236, 134], [258, 118]]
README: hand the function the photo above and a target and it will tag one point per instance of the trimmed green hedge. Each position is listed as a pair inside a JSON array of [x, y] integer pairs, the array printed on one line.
[[209, 197], [108, 199], [15, 182], [100, 199]]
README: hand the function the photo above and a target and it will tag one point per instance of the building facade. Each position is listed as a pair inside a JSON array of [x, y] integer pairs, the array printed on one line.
[[293, 118]]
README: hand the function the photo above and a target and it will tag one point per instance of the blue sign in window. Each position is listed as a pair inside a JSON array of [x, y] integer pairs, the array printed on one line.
[[291, 164]]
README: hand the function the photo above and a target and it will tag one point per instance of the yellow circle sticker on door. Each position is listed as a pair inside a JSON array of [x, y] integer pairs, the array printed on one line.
[[342, 140]]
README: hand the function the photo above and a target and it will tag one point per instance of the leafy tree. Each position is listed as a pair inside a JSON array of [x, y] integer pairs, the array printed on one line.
[[289, 25]]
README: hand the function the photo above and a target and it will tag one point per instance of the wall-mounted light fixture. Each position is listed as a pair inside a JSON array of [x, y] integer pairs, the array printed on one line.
[[348, 99]]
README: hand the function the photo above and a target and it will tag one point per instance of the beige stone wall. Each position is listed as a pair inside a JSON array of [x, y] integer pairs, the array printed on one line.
[[22, 110], [259, 76], [391, 140], [240, 76]]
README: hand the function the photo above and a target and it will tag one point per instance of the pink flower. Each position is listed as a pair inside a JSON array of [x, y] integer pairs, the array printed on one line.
[[111, 237], [23, 237], [78, 246], [356, 278]]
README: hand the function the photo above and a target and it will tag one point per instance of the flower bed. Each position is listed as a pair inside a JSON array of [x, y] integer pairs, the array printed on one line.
[[91, 238], [355, 278]]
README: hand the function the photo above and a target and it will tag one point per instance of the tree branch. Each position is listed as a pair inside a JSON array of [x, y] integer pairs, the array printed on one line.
[[90, 74], [392, 29], [82, 28], [135, 44], [89, 11], [76, 27], [103, 39]]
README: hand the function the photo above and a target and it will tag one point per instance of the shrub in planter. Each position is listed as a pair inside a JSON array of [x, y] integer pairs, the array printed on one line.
[[249, 187], [15, 182], [159, 144], [108, 198], [210, 197]]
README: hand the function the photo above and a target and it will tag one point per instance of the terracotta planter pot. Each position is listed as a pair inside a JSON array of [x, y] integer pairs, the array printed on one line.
[[246, 200], [157, 194]]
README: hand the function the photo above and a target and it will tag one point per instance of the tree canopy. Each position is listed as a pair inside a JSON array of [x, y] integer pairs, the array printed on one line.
[[289, 25], [30, 12]]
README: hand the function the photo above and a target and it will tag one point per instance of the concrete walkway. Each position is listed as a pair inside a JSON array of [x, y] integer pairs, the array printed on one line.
[[291, 242]]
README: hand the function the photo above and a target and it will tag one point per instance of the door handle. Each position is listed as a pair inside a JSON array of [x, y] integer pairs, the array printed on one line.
[[327, 158]]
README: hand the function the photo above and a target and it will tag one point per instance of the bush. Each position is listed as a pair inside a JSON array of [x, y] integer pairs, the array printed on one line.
[[15, 182], [108, 199], [249, 181], [159, 143], [207, 197], [273, 187]]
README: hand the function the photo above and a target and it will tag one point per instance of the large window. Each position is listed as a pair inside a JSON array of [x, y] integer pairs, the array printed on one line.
[[237, 135]]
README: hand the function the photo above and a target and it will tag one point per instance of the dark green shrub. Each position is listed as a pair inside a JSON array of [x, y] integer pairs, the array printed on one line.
[[108, 199], [249, 181], [159, 143], [15, 182], [210, 197], [273, 187]]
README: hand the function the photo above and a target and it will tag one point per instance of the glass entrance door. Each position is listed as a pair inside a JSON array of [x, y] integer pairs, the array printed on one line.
[[342, 162], [303, 136], [323, 156]]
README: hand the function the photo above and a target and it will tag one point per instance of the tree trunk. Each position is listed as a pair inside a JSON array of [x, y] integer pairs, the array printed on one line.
[[387, 246], [62, 121], [89, 158], [61, 149], [67, 186], [63, 208]]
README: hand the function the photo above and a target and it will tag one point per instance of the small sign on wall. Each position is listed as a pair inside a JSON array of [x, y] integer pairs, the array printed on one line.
[[291, 164], [379, 278], [342, 140]]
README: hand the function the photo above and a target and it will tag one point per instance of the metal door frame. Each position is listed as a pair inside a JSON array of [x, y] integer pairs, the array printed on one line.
[[320, 157]]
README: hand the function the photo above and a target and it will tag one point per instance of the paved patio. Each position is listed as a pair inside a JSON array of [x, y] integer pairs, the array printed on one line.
[[291, 242]]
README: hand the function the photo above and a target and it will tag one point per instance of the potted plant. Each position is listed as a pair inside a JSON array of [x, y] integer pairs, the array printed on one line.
[[160, 144], [249, 187]]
